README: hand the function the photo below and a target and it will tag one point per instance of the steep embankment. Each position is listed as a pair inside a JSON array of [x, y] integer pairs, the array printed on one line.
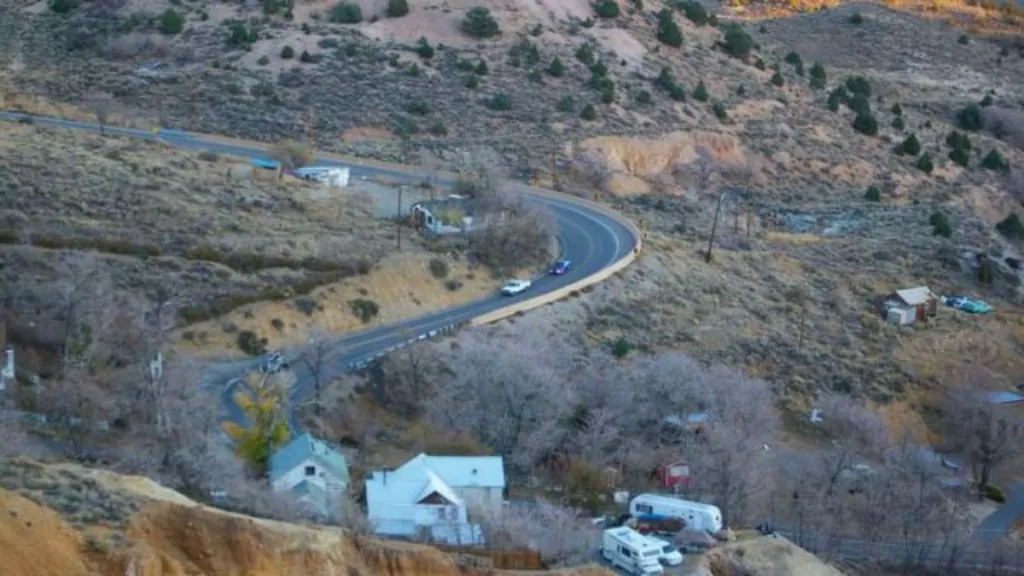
[[61, 520]]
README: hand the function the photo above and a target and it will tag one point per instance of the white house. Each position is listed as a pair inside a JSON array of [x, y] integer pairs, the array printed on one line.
[[312, 470], [431, 497]]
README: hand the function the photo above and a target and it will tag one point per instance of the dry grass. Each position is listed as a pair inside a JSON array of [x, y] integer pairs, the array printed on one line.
[[766, 557], [401, 285]]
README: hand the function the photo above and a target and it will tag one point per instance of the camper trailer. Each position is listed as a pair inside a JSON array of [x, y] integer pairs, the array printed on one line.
[[627, 549], [697, 515]]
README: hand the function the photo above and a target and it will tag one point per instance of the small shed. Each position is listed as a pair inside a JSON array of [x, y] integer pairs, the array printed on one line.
[[910, 305], [674, 474], [265, 169]]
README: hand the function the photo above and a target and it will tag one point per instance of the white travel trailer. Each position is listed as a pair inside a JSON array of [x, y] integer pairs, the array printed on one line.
[[633, 552], [698, 516]]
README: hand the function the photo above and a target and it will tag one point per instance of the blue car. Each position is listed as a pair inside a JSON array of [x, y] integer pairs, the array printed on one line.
[[560, 267]]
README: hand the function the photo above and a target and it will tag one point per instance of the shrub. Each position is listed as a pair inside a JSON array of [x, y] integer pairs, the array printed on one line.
[[924, 164], [778, 80], [607, 8], [986, 101], [607, 92], [248, 342], [940, 225], [720, 112], [859, 85], [898, 124], [958, 140], [669, 32], [897, 109], [759, 64], [479, 23], [438, 268], [694, 12], [588, 112], [819, 78], [859, 104], [263, 60], [453, 285], [644, 98], [424, 49], [599, 69], [833, 101], [556, 68], [8, 236], [1011, 227], [307, 58], [364, 309], [995, 494], [700, 93], [621, 348], [306, 305], [969, 118], [911, 145], [437, 128], [63, 6], [959, 156], [873, 194], [986, 270], [566, 104], [857, 19], [737, 43], [481, 68], [397, 8], [995, 161], [346, 13], [239, 35], [171, 22], [963, 39], [793, 59], [741, 91], [677, 93], [419, 108], [287, 52], [500, 102], [865, 123], [585, 54], [473, 82]]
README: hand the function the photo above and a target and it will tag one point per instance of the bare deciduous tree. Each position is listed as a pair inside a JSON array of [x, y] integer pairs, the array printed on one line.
[[503, 397], [592, 167], [987, 435], [314, 359], [556, 532], [101, 105], [730, 458], [855, 431]]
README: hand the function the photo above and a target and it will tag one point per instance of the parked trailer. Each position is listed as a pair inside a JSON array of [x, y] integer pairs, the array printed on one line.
[[627, 549], [697, 515]]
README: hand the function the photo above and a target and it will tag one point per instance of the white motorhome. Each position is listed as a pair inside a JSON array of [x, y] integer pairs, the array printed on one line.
[[670, 555], [698, 516], [633, 552]]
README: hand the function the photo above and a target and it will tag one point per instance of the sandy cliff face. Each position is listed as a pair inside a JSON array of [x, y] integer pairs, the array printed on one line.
[[170, 535]]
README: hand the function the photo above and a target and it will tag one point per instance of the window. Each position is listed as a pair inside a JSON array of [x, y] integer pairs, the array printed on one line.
[[310, 470], [644, 508]]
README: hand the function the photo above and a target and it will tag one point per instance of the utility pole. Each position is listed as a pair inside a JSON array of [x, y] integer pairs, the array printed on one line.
[[399, 219], [714, 225]]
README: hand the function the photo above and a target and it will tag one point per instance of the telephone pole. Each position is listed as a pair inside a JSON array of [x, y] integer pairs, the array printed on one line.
[[398, 220], [714, 225]]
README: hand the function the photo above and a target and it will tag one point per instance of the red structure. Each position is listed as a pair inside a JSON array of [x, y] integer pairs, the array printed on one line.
[[674, 474]]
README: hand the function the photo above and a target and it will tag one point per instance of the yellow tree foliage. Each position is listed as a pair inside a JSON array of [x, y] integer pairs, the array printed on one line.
[[263, 406]]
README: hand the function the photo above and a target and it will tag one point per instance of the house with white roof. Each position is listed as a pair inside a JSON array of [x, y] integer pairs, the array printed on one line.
[[431, 497], [312, 470]]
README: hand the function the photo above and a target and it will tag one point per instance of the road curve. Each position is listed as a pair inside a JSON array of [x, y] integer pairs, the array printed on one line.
[[592, 238]]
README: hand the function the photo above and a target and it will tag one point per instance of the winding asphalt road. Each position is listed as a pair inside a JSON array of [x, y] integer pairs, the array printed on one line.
[[590, 238]]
